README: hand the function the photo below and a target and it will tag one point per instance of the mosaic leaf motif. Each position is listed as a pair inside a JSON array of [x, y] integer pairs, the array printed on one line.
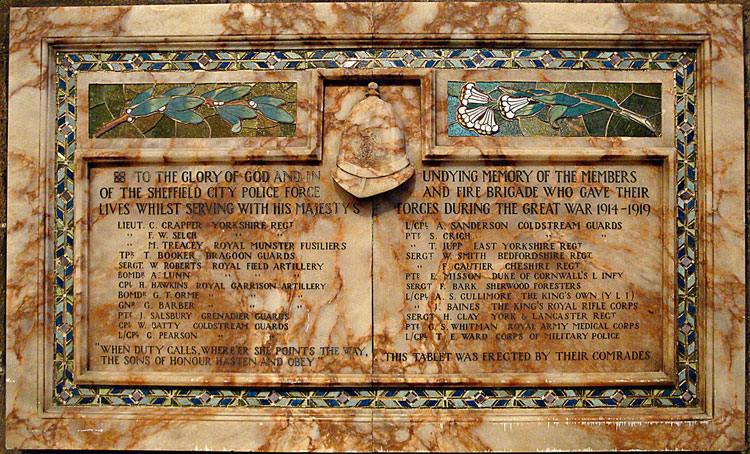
[[682, 65], [192, 111], [554, 109]]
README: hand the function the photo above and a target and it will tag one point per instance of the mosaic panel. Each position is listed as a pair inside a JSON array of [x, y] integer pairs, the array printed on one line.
[[192, 110], [682, 64], [572, 109]]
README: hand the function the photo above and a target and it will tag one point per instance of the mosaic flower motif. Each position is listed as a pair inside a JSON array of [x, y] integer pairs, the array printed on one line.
[[510, 105], [479, 111]]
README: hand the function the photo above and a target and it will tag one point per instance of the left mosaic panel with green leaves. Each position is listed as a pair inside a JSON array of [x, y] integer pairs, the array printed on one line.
[[125, 111]]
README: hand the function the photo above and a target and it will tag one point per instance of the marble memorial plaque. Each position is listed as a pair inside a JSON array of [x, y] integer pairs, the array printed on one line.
[[214, 274], [376, 227], [526, 274]]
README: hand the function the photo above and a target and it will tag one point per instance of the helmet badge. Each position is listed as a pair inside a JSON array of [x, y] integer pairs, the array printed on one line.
[[372, 158]]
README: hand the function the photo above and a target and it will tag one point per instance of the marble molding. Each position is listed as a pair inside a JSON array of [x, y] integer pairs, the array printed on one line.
[[35, 421]]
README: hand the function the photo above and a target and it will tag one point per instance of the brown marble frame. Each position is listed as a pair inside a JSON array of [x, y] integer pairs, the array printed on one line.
[[714, 30]]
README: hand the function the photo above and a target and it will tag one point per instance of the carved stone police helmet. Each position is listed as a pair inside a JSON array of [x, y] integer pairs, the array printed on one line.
[[372, 158]]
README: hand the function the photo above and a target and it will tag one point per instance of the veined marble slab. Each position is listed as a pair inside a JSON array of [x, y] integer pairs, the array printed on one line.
[[73, 243]]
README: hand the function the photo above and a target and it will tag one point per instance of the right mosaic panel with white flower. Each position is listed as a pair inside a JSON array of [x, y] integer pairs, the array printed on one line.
[[565, 109]]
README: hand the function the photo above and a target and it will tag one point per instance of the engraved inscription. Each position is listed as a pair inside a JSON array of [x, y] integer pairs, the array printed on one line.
[[521, 269], [225, 270], [528, 273], [570, 109]]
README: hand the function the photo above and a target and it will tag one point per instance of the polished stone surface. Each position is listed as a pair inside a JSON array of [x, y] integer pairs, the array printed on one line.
[[719, 416]]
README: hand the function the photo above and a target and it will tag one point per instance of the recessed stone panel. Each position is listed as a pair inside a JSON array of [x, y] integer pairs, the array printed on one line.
[[221, 274], [526, 273]]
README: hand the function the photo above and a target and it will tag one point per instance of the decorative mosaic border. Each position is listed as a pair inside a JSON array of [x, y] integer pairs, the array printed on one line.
[[682, 64]]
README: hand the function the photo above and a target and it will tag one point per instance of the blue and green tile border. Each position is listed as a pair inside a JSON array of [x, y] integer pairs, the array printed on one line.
[[68, 393]]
